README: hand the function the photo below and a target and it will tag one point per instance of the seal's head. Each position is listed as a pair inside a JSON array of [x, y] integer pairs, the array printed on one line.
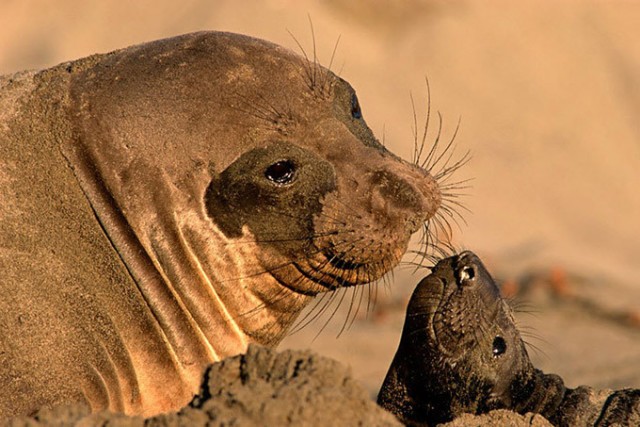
[[327, 204], [460, 350], [198, 192], [236, 180]]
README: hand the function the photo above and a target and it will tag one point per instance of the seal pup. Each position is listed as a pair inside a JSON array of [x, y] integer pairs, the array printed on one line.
[[165, 205], [461, 352]]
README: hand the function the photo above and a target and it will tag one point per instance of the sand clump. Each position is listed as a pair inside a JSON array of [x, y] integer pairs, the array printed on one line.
[[266, 387], [261, 387]]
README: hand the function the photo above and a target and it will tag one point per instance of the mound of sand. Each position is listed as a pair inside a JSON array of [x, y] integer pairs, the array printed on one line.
[[266, 387], [261, 387]]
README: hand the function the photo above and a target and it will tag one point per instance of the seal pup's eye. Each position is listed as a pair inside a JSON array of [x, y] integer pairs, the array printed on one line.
[[356, 113], [499, 346], [281, 172]]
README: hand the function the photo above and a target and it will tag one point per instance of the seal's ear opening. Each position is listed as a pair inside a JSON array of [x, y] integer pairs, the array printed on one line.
[[347, 109], [356, 112]]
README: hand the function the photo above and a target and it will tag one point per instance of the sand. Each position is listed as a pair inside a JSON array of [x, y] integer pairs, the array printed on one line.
[[266, 387]]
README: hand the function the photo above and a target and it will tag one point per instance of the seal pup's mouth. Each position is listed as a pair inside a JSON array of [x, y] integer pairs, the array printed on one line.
[[468, 298]]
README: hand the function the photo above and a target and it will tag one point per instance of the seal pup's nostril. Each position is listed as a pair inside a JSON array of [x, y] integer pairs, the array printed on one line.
[[467, 276]]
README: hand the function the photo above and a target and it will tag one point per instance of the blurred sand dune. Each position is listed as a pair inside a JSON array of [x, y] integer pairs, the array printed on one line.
[[548, 93]]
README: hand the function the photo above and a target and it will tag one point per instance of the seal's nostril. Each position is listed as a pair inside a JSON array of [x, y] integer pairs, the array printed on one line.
[[467, 273], [402, 196], [466, 276], [397, 190], [410, 190]]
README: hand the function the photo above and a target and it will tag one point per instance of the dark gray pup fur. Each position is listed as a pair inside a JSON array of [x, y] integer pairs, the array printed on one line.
[[461, 352]]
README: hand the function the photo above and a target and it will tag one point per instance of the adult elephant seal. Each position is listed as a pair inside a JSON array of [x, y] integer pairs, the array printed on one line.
[[461, 352], [164, 205]]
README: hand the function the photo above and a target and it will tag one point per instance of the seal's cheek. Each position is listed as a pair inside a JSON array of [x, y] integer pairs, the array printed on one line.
[[275, 191]]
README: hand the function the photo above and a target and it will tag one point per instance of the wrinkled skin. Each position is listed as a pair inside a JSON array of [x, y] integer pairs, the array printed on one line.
[[167, 204], [461, 352]]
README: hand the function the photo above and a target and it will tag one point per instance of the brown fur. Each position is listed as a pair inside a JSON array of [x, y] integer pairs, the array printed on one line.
[[146, 236]]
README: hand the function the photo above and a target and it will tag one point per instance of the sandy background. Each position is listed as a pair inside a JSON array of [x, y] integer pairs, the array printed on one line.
[[549, 98]]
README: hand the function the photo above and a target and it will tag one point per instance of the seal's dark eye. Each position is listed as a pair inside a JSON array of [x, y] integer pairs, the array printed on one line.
[[499, 346], [281, 172], [356, 113]]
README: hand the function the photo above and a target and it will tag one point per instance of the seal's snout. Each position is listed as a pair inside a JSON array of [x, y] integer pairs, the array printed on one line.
[[467, 276], [470, 272], [411, 196]]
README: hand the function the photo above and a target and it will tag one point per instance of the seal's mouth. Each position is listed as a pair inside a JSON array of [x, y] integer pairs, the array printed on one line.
[[439, 310], [439, 301], [337, 261], [332, 269]]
